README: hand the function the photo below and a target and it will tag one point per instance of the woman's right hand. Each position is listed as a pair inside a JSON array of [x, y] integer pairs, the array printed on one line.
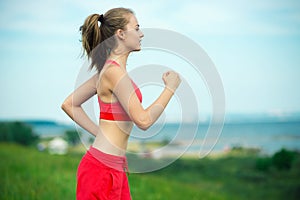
[[171, 80]]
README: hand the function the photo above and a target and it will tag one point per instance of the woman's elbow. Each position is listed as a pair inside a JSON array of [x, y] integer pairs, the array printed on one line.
[[143, 123], [143, 127], [66, 105]]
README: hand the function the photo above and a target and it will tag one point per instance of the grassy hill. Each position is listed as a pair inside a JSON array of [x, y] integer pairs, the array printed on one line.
[[29, 174]]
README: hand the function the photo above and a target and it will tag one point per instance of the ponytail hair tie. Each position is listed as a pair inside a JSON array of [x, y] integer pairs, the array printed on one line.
[[101, 19]]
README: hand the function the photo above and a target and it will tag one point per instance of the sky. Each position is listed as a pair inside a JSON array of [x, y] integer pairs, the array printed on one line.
[[254, 46]]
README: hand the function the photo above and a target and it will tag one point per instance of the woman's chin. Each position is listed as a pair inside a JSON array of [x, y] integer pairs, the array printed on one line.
[[137, 49]]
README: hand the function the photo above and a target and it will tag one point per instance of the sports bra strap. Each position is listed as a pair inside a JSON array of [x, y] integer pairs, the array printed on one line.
[[115, 111]]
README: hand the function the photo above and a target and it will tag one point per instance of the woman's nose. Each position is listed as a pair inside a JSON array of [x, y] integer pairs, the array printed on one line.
[[142, 34]]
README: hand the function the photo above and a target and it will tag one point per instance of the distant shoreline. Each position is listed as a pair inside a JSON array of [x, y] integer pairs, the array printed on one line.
[[267, 136], [230, 118]]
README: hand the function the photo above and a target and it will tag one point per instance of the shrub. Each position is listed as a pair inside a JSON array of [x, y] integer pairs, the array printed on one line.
[[72, 136], [283, 159], [263, 164], [18, 132]]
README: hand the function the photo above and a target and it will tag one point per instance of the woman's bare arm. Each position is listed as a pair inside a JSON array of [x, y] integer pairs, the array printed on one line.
[[72, 105], [123, 89]]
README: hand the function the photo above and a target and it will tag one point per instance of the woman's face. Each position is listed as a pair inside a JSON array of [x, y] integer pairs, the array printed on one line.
[[133, 34]]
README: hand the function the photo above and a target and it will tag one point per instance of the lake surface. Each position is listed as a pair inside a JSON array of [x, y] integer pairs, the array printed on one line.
[[268, 136]]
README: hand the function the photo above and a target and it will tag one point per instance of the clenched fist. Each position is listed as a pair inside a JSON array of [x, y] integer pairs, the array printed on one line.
[[171, 80]]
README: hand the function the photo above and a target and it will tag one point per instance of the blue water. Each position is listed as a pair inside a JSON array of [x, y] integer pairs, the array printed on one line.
[[269, 136], [51, 130]]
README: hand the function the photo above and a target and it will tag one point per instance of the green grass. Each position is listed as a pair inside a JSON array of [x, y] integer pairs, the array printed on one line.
[[29, 174]]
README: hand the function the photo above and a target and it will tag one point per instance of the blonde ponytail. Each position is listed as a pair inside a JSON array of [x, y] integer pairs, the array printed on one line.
[[99, 41]]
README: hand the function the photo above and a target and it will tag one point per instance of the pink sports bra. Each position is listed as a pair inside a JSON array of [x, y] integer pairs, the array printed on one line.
[[114, 111]]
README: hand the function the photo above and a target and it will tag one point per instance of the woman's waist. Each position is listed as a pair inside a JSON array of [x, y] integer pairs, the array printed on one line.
[[115, 126], [112, 161], [111, 143]]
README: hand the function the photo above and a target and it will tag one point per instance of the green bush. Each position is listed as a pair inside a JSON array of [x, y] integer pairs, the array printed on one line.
[[72, 136], [263, 164], [283, 159], [18, 132]]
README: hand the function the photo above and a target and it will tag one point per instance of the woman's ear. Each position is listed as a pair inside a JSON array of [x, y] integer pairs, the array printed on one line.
[[120, 34]]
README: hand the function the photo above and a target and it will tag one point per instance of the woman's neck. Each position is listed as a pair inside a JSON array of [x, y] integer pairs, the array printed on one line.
[[119, 58]]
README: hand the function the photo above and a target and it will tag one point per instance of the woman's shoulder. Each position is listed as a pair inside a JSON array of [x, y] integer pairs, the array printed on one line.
[[113, 72]]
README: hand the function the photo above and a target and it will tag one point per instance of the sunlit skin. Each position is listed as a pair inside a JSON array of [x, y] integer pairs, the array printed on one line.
[[113, 84], [117, 132]]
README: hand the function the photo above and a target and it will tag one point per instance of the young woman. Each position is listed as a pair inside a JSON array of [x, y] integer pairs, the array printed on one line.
[[102, 170]]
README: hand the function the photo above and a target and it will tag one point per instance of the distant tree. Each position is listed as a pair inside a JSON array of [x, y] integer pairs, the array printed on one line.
[[283, 159], [263, 163], [72, 136], [5, 132], [18, 132]]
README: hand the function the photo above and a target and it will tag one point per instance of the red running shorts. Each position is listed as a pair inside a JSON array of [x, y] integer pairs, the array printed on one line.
[[102, 176]]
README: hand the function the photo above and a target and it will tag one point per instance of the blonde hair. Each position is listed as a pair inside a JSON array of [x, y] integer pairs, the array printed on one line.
[[98, 41]]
